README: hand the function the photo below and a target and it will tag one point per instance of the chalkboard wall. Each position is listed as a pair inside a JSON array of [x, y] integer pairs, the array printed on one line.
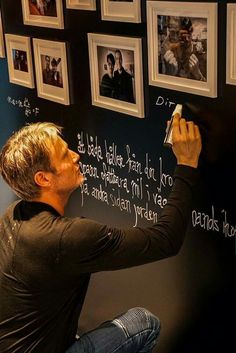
[[129, 175]]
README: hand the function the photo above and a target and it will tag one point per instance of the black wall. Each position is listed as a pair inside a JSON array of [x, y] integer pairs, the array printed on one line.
[[193, 293]]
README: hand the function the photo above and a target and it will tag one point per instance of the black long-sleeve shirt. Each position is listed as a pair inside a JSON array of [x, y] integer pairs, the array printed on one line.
[[46, 261]]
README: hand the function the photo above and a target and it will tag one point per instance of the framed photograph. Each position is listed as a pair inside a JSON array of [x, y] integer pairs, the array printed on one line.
[[116, 73], [2, 49], [51, 70], [81, 4], [43, 13], [121, 10], [231, 45], [182, 46], [19, 59]]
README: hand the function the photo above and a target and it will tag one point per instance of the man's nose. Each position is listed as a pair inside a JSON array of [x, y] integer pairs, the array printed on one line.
[[75, 156]]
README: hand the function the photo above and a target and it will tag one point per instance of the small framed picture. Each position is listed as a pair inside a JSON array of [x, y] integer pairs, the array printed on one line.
[[51, 70], [2, 49], [81, 4], [231, 45], [116, 73], [19, 59], [121, 10], [182, 46], [43, 13]]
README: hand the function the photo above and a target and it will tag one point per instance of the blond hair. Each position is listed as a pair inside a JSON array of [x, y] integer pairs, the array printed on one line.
[[25, 153]]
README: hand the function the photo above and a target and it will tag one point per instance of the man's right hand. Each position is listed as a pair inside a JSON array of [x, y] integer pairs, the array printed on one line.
[[187, 143]]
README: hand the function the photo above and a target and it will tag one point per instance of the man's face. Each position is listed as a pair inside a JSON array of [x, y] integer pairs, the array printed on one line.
[[110, 66], [67, 177], [47, 60], [118, 59]]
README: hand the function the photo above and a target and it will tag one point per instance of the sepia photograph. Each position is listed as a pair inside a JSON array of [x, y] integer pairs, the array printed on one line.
[[19, 59], [116, 73], [121, 10], [51, 70], [182, 49], [81, 4], [43, 13], [230, 45]]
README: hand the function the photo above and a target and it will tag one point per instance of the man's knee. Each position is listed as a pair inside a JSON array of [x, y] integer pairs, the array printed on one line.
[[137, 320]]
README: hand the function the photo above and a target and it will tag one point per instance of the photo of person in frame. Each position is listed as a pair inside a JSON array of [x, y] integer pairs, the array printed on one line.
[[51, 71], [182, 44], [116, 73], [20, 60], [43, 8]]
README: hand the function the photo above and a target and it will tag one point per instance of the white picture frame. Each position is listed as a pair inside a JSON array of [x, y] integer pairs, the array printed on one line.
[[19, 58], [2, 47], [231, 45], [123, 93], [51, 70], [43, 14], [81, 4], [196, 70], [122, 11]]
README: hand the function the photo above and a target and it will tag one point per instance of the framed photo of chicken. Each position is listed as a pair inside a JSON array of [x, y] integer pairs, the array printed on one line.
[[19, 60], [121, 10], [182, 46], [51, 70], [81, 4], [116, 73], [43, 13]]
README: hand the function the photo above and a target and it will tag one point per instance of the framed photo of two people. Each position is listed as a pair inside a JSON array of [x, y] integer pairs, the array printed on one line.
[[116, 73]]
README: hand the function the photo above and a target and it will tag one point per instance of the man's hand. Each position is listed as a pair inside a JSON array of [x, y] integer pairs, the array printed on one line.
[[194, 68], [171, 62], [187, 142]]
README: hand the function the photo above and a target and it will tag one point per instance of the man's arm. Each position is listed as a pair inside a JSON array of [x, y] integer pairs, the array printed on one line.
[[90, 247]]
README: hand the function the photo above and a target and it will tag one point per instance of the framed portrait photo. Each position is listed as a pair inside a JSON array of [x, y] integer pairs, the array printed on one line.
[[51, 70], [43, 13], [182, 46], [81, 4], [19, 59], [2, 48], [231, 45], [116, 73], [121, 10]]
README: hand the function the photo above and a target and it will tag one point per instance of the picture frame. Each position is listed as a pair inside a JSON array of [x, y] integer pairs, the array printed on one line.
[[81, 4], [43, 13], [116, 73], [230, 45], [51, 70], [182, 46], [19, 58], [122, 11], [2, 47]]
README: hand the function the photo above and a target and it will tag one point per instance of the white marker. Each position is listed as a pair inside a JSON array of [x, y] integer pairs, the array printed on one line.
[[168, 137]]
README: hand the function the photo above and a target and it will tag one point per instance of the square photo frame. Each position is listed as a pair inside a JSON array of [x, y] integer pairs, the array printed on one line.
[[19, 58], [51, 70], [182, 46], [121, 10], [116, 73], [2, 48], [43, 13], [231, 45], [81, 4]]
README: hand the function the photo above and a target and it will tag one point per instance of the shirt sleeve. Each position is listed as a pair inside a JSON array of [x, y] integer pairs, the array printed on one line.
[[88, 246]]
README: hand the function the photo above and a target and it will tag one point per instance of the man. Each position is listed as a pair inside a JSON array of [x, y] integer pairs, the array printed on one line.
[[107, 87], [46, 259], [56, 78], [47, 72], [179, 57], [123, 80]]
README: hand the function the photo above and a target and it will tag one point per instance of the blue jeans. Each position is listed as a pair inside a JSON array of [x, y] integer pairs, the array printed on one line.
[[135, 331]]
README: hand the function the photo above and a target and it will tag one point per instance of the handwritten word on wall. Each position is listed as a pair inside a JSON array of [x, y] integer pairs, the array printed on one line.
[[25, 105]]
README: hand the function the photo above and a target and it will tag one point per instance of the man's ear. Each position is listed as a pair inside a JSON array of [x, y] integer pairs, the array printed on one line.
[[42, 179]]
